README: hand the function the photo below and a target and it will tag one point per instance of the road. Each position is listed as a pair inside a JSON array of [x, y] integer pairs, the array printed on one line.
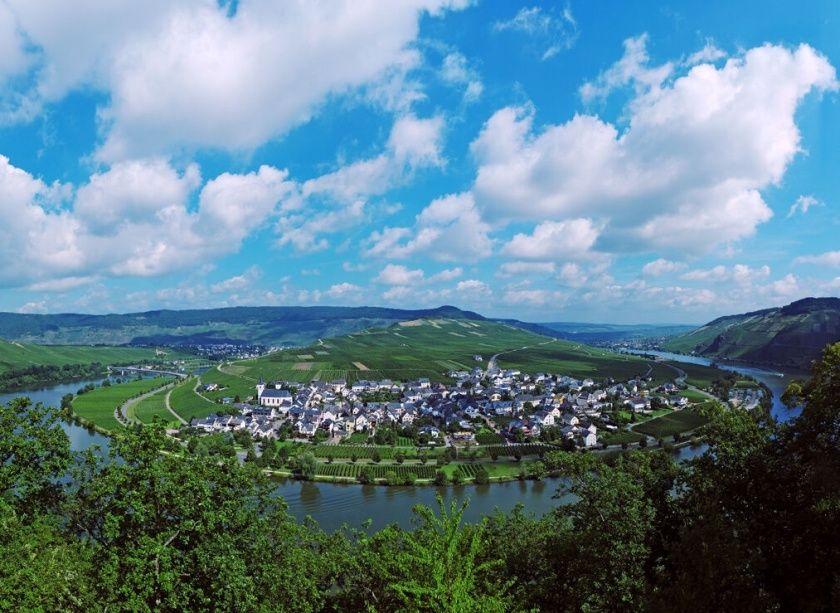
[[123, 409]]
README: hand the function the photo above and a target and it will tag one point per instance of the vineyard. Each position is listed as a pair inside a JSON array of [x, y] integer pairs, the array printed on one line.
[[365, 452], [524, 449], [352, 471]]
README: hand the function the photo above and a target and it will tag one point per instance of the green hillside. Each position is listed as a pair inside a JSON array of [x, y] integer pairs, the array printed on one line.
[[432, 347], [16, 356], [245, 325], [789, 336]]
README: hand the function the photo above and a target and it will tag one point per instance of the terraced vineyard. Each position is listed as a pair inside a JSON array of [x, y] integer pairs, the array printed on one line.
[[365, 452], [186, 403], [524, 449], [98, 406], [433, 347], [489, 438], [154, 406], [379, 471]]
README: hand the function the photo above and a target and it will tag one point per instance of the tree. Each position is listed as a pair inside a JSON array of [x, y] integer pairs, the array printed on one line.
[[482, 477], [457, 476], [441, 478], [444, 571], [391, 478], [34, 455], [536, 471], [307, 465], [365, 476], [376, 457]]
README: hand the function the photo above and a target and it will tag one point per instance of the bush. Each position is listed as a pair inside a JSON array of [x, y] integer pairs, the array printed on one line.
[[441, 478], [365, 476]]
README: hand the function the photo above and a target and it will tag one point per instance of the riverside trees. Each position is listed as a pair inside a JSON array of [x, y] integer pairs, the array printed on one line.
[[751, 525]]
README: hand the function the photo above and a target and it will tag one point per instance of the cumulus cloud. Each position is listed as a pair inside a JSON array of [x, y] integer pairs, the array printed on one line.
[[189, 74], [533, 297], [237, 282], [396, 274], [661, 266], [554, 240], [449, 229], [685, 174], [134, 219]]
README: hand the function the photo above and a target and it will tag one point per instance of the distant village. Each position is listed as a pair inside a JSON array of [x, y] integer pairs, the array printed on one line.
[[517, 406]]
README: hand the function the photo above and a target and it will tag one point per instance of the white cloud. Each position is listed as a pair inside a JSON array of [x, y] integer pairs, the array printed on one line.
[[473, 287], [708, 54], [237, 282], [631, 68], [186, 74], [447, 275], [802, 204], [417, 142], [829, 258], [449, 229], [739, 273], [686, 173], [344, 291], [132, 220], [456, 71], [396, 274], [36, 306], [659, 267], [554, 240], [510, 269], [550, 33], [533, 297]]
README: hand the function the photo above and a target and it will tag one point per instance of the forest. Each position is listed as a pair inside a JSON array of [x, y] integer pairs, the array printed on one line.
[[753, 524]]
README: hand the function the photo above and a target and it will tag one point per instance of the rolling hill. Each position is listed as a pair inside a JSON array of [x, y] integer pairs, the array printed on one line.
[[432, 347], [15, 356], [789, 336], [237, 325]]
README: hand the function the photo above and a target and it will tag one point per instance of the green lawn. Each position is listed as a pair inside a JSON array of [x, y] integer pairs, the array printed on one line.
[[186, 403], [673, 423], [98, 405], [232, 385]]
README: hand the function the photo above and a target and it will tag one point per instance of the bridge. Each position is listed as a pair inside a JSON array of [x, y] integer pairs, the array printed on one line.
[[127, 370]]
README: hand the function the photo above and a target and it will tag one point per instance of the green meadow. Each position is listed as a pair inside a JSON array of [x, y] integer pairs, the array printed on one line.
[[98, 406]]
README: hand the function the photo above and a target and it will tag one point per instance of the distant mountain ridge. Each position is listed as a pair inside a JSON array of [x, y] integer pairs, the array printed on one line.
[[792, 335], [236, 325]]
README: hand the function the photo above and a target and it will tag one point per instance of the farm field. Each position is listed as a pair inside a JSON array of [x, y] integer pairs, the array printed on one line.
[[15, 356], [98, 405], [432, 347], [673, 423], [186, 403]]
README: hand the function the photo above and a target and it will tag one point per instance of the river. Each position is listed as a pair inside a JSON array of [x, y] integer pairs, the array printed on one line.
[[332, 505], [770, 378]]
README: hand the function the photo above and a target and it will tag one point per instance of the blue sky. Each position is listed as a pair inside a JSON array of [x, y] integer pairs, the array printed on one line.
[[580, 161]]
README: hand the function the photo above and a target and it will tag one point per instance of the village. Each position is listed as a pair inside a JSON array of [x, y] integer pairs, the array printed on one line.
[[516, 407]]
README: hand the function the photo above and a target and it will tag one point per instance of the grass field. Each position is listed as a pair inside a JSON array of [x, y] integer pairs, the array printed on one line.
[[186, 403], [431, 348], [673, 423], [14, 356], [98, 405]]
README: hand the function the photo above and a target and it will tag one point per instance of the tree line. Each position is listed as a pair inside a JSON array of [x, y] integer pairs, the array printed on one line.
[[752, 524]]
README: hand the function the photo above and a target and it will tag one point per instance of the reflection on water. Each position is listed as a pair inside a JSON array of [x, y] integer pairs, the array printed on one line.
[[80, 437]]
